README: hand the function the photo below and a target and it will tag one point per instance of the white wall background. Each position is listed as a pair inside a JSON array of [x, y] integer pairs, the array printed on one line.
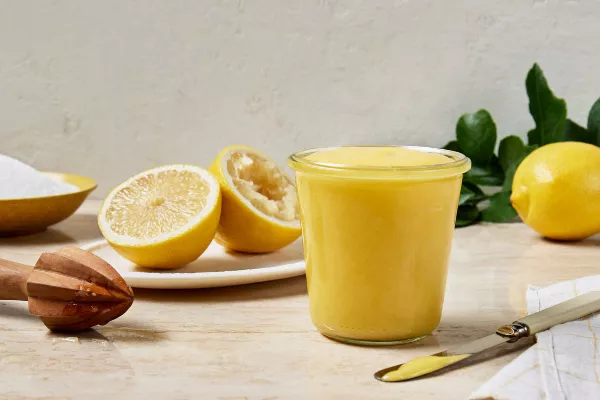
[[110, 88]]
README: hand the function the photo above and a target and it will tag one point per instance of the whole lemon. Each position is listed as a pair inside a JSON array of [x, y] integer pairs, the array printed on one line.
[[556, 190]]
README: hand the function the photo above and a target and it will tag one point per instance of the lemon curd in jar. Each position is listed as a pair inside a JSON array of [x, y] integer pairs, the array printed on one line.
[[377, 228]]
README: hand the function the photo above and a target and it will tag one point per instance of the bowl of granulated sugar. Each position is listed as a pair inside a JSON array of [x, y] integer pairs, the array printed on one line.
[[31, 201]]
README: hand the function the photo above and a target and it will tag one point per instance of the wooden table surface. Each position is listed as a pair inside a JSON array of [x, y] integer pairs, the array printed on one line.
[[256, 342]]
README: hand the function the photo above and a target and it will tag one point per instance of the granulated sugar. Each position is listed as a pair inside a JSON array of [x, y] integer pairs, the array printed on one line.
[[19, 180]]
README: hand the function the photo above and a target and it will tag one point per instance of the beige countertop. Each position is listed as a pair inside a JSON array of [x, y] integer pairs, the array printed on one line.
[[256, 342]]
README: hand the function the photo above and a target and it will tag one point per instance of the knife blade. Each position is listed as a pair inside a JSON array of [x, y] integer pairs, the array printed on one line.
[[575, 308]]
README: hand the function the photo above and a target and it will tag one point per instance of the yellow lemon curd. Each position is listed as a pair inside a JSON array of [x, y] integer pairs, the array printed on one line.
[[377, 228], [421, 366]]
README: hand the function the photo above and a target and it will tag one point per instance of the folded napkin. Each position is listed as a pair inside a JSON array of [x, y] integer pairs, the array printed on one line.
[[565, 361]]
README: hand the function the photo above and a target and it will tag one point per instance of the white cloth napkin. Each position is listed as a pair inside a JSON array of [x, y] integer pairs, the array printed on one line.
[[565, 361]]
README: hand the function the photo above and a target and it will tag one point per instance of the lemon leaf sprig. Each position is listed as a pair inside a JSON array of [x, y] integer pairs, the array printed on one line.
[[476, 136]]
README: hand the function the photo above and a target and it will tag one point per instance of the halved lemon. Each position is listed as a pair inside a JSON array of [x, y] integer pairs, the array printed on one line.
[[164, 217], [260, 207]]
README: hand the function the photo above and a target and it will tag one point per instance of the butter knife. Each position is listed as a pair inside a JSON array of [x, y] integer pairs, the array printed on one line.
[[566, 311]]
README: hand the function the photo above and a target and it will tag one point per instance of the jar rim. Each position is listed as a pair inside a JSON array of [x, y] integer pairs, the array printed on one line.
[[459, 164]]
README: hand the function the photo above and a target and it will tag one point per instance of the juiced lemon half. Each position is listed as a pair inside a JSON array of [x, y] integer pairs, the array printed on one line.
[[164, 217], [260, 208]]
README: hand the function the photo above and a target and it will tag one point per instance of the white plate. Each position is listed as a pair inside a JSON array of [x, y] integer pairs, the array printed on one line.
[[216, 267]]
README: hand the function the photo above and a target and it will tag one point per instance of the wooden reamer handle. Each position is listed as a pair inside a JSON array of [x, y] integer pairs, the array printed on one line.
[[13, 280]]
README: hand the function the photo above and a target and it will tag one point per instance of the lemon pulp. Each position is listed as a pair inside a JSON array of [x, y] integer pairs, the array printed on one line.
[[156, 204], [264, 185]]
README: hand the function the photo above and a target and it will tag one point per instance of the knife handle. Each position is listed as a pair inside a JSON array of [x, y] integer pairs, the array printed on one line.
[[566, 311]]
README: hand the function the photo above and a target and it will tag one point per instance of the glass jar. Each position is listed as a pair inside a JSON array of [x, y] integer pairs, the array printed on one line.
[[376, 242]]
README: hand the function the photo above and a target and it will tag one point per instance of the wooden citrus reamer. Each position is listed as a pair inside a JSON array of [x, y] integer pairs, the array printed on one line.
[[70, 290]]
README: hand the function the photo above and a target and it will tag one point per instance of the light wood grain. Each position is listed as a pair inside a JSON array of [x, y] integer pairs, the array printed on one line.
[[256, 342]]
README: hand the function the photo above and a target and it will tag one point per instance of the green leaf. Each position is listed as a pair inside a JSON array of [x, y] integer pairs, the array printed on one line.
[[465, 196], [577, 133], [476, 134], [509, 174], [510, 151], [533, 138], [490, 175], [472, 187], [508, 178], [500, 209], [452, 145], [548, 111], [594, 122], [467, 215], [470, 194]]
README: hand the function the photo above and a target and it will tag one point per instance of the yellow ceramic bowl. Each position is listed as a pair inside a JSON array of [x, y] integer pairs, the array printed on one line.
[[30, 215]]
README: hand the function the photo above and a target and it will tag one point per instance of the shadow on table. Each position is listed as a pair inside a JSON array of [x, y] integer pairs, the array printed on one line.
[[593, 241], [88, 335], [113, 331], [77, 228], [255, 291], [427, 341], [15, 310], [461, 329], [452, 331], [131, 332]]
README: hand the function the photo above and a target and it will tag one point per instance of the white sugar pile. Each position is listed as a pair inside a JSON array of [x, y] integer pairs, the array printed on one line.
[[18, 180]]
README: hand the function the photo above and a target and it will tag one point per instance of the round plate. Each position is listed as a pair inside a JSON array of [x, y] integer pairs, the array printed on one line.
[[216, 267]]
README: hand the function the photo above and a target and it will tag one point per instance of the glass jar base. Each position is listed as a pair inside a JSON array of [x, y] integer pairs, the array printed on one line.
[[373, 342]]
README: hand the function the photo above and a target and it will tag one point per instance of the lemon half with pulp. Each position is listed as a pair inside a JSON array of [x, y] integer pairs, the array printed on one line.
[[165, 217], [260, 206]]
